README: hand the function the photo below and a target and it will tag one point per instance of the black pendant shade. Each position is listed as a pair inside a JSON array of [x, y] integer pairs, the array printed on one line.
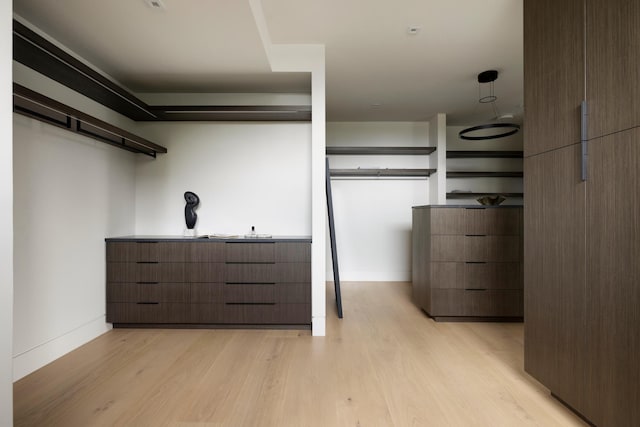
[[489, 130]]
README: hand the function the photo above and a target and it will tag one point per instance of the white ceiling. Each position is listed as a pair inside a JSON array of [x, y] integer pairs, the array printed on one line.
[[214, 46]]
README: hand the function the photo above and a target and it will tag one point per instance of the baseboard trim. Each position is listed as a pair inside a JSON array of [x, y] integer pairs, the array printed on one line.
[[45, 353]]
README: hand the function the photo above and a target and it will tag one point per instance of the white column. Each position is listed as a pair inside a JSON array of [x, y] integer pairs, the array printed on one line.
[[6, 220]]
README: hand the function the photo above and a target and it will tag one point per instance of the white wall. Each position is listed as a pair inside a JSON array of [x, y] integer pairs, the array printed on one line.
[[373, 216], [6, 222], [70, 192], [244, 173]]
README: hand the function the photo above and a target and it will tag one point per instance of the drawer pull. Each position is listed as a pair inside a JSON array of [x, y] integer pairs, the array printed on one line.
[[147, 283], [250, 303], [475, 289], [149, 241], [475, 235], [475, 262], [147, 303], [146, 262]]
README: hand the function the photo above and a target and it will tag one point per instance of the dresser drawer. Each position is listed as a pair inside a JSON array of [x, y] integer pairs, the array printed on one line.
[[250, 273], [268, 273], [267, 313], [146, 252], [250, 252], [205, 272], [492, 248], [493, 275], [461, 302], [145, 272], [285, 293], [293, 252], [250, 293], [123, 312], [207, 292], [205, 251], [147, 292], [493, 221], [210, 313]]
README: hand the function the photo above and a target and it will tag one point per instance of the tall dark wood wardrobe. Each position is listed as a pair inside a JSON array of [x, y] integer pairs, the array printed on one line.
[[582, 237]]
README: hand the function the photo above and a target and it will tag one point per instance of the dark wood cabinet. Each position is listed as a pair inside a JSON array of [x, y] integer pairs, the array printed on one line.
[[582, 323], [555, 317], [173, 281], [613, 279], [467, 261]]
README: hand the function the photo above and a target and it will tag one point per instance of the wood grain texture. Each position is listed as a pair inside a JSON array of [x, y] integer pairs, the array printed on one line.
[[553, 73], [134, 272], [293, 252], [554, 273], [421, 255], [613, 278], [385, 364], [613, 65], [250, 252], [494, 221], [486, 302]]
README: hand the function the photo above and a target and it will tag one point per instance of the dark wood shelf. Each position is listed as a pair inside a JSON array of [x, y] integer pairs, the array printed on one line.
[[381, 172], [467, 174], [462, 195], [420, 151], [37, 106], [475, 154]]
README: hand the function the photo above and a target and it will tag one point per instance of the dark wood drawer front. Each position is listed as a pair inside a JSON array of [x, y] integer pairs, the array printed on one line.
[[145, 272], [205, 272], [250, 293], [447, 275], [207, 313], [146, 252], [293, 272], [293, 252], [205, 252], [250, 252], [250, 273], [460, 302], [492, 248], [447, 248], [446, 221], [288, 293], [493, 221], [295, 314], [144, 292], [207, 292], [268, 273], [122, 312], [499, 275], [293, 293]]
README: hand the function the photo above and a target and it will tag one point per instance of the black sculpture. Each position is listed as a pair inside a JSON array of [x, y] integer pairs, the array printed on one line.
[[190, 216]]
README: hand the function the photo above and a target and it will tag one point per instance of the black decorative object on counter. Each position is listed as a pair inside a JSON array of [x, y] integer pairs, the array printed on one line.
[[190, 215]]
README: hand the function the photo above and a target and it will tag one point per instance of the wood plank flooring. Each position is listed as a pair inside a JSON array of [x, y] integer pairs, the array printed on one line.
[[385, 364]]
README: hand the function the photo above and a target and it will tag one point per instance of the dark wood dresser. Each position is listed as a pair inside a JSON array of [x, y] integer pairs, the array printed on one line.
[[190, 281], [467, 261]]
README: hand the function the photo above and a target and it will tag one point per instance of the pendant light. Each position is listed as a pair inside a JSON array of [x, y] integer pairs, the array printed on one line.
[[491, 130]]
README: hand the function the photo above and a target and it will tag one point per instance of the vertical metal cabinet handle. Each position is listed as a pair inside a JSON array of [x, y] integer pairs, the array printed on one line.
[[584, 117]]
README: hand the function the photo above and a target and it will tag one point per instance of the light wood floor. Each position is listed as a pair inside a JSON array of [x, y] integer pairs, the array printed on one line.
[[385, 364]]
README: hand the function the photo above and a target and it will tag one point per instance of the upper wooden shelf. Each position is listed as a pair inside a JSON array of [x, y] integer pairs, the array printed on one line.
[[467, 174], [378, 173], [472, 154], [467, 195], [35, 105], [421, 151]]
